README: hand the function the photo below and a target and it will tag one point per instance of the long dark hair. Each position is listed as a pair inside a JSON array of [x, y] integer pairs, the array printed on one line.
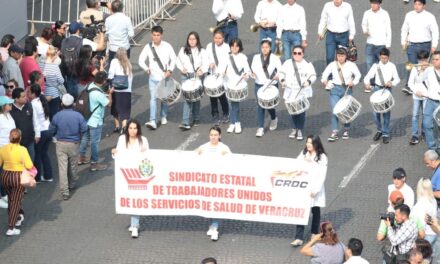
[[139, 132], [36, 89], [218, 129], [84, 62], [317, 145], [187, 48]]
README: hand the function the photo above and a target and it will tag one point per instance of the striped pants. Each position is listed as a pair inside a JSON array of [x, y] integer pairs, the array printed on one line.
[[11, 184]]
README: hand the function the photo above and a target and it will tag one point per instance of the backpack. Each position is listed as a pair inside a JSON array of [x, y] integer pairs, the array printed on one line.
[[70, 50], [83, 103]]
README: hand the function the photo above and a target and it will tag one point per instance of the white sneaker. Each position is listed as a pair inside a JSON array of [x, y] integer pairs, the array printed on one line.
[[237, 128], [20, 220], [231, 128], [54, 140], [299, 135], [3, 204], [214, 235], [134, 232], [297, 243], [260, 132], [151, 125], [5, 198], [293, 134], [210, 231], [130, 229], [273, 124], [13, 232], [163, 121]]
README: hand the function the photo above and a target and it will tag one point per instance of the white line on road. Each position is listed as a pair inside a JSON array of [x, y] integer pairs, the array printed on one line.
[[359, 166], [188, 141]]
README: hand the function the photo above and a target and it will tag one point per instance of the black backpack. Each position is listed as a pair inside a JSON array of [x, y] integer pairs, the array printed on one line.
[[83, 103], [70, 50]]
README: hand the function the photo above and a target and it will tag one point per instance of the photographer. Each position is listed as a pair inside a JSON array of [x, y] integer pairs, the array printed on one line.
[[93, 9]]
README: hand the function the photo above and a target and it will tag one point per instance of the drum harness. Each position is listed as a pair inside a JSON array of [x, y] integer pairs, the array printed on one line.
[[157, 59], [342, 78], [237, 72], [265, 64]]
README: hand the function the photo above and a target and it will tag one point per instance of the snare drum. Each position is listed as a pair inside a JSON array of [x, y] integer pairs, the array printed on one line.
[[168, 90], [236, 92], [192, 90], [436, 115], [298, 105], [382, 101], [347, 109], [268, 97], [214, 85]]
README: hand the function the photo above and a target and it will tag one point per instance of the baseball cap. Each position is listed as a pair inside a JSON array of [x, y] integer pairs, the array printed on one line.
[[399, 173], [67, 100], [75, 26], [16, 48], [4, 100], [395, 196]]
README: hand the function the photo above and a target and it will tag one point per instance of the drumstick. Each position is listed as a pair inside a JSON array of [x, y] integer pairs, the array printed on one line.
[[302, 85]]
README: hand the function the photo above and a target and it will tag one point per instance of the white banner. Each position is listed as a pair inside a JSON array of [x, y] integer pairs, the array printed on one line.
[[234, 186]]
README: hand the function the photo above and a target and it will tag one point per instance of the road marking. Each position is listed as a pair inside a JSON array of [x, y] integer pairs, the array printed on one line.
[[188, 141], [359, 166]]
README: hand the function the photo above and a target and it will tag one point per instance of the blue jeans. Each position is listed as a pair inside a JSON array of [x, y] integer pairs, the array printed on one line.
[[336, 93], [372, 54], [42, 160], [385, 129], [413, 49], [428, 123], [94, 135], [290, 40], [54, 107], [31, 149], [71, 86], [332, 41], [235, 112], [230, 31], [152, 86], [190, 108], [268, 33], [298, 121], [215, 223], [134, 221], [418, 106], [261, 111]]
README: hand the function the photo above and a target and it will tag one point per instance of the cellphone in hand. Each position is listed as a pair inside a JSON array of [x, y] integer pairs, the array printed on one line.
[[428, 219]]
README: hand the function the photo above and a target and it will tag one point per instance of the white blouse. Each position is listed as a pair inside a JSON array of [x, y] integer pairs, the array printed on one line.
[[306, 73], [257, 68], [317, 180], [200, 60], [7, 123]]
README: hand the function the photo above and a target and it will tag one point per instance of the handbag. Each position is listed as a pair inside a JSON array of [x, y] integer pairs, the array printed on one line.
[[390, 258], [27, 177], [352, 52], [120, 82]]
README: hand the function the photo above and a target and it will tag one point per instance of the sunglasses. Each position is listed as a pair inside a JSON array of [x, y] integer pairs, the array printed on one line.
[[10, 86], [297, 53]]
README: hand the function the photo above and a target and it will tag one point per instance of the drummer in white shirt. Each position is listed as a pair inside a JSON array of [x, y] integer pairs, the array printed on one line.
[[350, 77], [265, 67], [157, 70], [192, 63], [291, 27], [266, 16], [385, 76], [218, 54], [296, 89], [228, 12], [433, 101], [376, 25]]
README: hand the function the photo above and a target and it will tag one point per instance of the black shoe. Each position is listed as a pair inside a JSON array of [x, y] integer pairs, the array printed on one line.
[[195, 123], [406, 90], [184, 127], [116, 130], [377, 136], [386, 140], [414, 140], [225, 119]]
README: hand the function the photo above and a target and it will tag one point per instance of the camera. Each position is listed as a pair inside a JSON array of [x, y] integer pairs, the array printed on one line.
[[390, 216], [91, 30]]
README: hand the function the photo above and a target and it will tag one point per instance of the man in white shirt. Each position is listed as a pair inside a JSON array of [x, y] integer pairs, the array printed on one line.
[[158, 60], [291, 27], [433, 101], [376, 25], [385, 76], [399, 183], [337, 26], [227, 12], [266, 16], [354, 251], [419, 32]]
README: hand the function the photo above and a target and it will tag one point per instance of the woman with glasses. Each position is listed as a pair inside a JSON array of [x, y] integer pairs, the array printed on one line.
[[59, 30], [297, 76]]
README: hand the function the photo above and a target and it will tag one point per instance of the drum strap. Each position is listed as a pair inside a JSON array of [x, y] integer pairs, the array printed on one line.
[[379, 71], [234, 66], [437, 76], [215, 54], [340, 75], [156, 57], [191, 59], [298, 78], [265, 64]]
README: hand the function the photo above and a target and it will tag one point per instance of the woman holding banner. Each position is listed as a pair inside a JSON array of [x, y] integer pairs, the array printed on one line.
[[132, 144], [215, 148], [313, 155]]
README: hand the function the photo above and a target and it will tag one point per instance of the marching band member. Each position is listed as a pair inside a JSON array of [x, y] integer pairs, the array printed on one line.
[[376, 25], [385, 76], [337, 26], [345, 76], [265, 67], [291, 27], [158, 60], [297, 85], [266, 17], [419, 32], [237, 70], [417, 84], [192, 63], [227, 12], [218, 53], [433, 101]]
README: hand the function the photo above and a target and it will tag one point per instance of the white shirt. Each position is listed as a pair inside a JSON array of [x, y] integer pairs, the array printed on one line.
[[41, 122], [116, 69], [423, 207], [257, 68], [419, 27], [306, 72], [317, 180], [7, 123], [222, 8], [378, 26], [337, 19], [433, 83], [222, 52], [134, 151], [349, 71], [209, 149], [242, 65], [200, 60], [417, 81], [292, 17], [42, 47], [166, 55], [356, 260], [267, 11], [119, 30], [389, 72], [92, 44], [407, 192]]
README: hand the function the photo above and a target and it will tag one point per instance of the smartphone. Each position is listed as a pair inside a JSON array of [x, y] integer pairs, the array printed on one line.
[[428, 219], [104, 4]]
